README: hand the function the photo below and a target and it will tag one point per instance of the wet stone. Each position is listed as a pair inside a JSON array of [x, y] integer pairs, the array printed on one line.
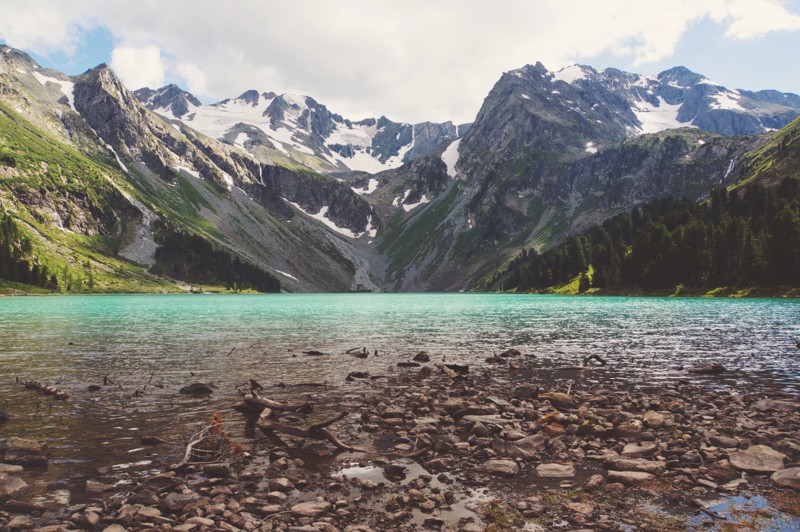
[[758, 459], [556, 470], [505, 468], [633, 450]]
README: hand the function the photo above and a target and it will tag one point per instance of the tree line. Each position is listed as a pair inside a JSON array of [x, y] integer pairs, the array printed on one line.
[[17, 262], [745, 237], [193, 259]]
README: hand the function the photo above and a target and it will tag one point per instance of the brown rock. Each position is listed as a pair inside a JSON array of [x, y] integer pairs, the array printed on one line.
[[638, 464], [555, 470], [787, 478], [505, 468], [311, 508], [11, 486], [758, 459], [558, 398], [633, 450]]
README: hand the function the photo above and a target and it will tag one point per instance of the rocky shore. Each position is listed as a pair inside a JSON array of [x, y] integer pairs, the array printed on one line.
[[432, 447]]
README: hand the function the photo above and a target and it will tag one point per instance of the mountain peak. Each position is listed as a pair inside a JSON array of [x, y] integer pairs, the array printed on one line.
[[680, 76]]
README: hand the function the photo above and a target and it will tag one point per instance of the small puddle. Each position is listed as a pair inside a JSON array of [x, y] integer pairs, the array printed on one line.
[[462, 509], [746, 513]]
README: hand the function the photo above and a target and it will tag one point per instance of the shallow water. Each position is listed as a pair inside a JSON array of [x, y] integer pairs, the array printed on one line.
[[154, 344]]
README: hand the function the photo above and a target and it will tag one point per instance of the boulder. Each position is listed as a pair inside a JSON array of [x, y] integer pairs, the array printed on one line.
[[787, 478], [758, 459], [555, 470], [198, 388], [504, 468]]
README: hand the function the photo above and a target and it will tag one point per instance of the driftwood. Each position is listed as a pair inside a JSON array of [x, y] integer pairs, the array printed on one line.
[[454, 371], [319, 431], [313, 353], [46, 389], [584, 363], [254, 403]]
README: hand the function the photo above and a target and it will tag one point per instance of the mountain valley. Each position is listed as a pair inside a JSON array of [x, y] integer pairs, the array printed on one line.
[[152, 190]]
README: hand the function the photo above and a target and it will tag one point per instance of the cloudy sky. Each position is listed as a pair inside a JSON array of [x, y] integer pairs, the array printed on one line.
[[411, 60]]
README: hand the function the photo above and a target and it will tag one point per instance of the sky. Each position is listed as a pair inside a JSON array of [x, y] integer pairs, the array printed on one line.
[[409, 60]]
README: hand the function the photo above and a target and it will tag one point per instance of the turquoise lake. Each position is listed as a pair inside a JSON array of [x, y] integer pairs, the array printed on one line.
[[151, 345]]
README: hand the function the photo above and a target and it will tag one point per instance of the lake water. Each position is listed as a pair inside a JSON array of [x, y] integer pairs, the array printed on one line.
[[154, 344]]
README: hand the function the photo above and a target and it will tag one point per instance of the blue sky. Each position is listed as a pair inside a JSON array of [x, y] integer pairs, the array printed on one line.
[[413, 60]]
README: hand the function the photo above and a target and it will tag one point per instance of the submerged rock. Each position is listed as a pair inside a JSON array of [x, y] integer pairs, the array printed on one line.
[[11, 486], [198, 388]]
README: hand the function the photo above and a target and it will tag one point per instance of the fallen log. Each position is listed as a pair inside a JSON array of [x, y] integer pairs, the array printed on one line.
[[46, 389], [253, 402]]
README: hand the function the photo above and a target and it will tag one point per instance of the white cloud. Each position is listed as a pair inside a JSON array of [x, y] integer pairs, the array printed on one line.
[[413, 61], [139, 67], [193, 76]]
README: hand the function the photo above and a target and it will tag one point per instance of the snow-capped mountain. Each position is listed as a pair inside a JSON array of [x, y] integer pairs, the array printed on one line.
[[675, 98], [299, 129]]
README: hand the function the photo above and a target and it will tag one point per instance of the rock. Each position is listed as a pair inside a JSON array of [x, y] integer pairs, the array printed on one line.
[[422, 356], [555, 470], [766, 405], [594, 482], [93, 486], [653, 420], [638, 464], [580, 508], [558, 398], [629, 429], [528, 447], [787, 478], [526, 391], [630, 478], [709, 368], [633, 450], [217, 470], [115, 528], [505, 468], [198, 388], [11, 469], [11, 486], [311, 508], [758, 459], [22, 451], [724, 441], [20, 522], [281, 484], [176, 502]]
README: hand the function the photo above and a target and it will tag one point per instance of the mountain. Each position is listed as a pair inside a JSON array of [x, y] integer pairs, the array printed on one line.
[[104, 188], [552, 153], [295, 129], [96, 182]]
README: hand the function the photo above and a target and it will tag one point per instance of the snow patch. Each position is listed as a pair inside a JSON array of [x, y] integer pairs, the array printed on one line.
[[701, 142], [411, 206], [240, 139], [591, 148], [321, 216], [66, 87], [450, 157], [372, 186], [570, 74], [525, 96], [657, 118], [727, 100], [289, 275]]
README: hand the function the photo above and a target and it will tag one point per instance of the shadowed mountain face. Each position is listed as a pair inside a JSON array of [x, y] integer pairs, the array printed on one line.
[[155, 185]]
